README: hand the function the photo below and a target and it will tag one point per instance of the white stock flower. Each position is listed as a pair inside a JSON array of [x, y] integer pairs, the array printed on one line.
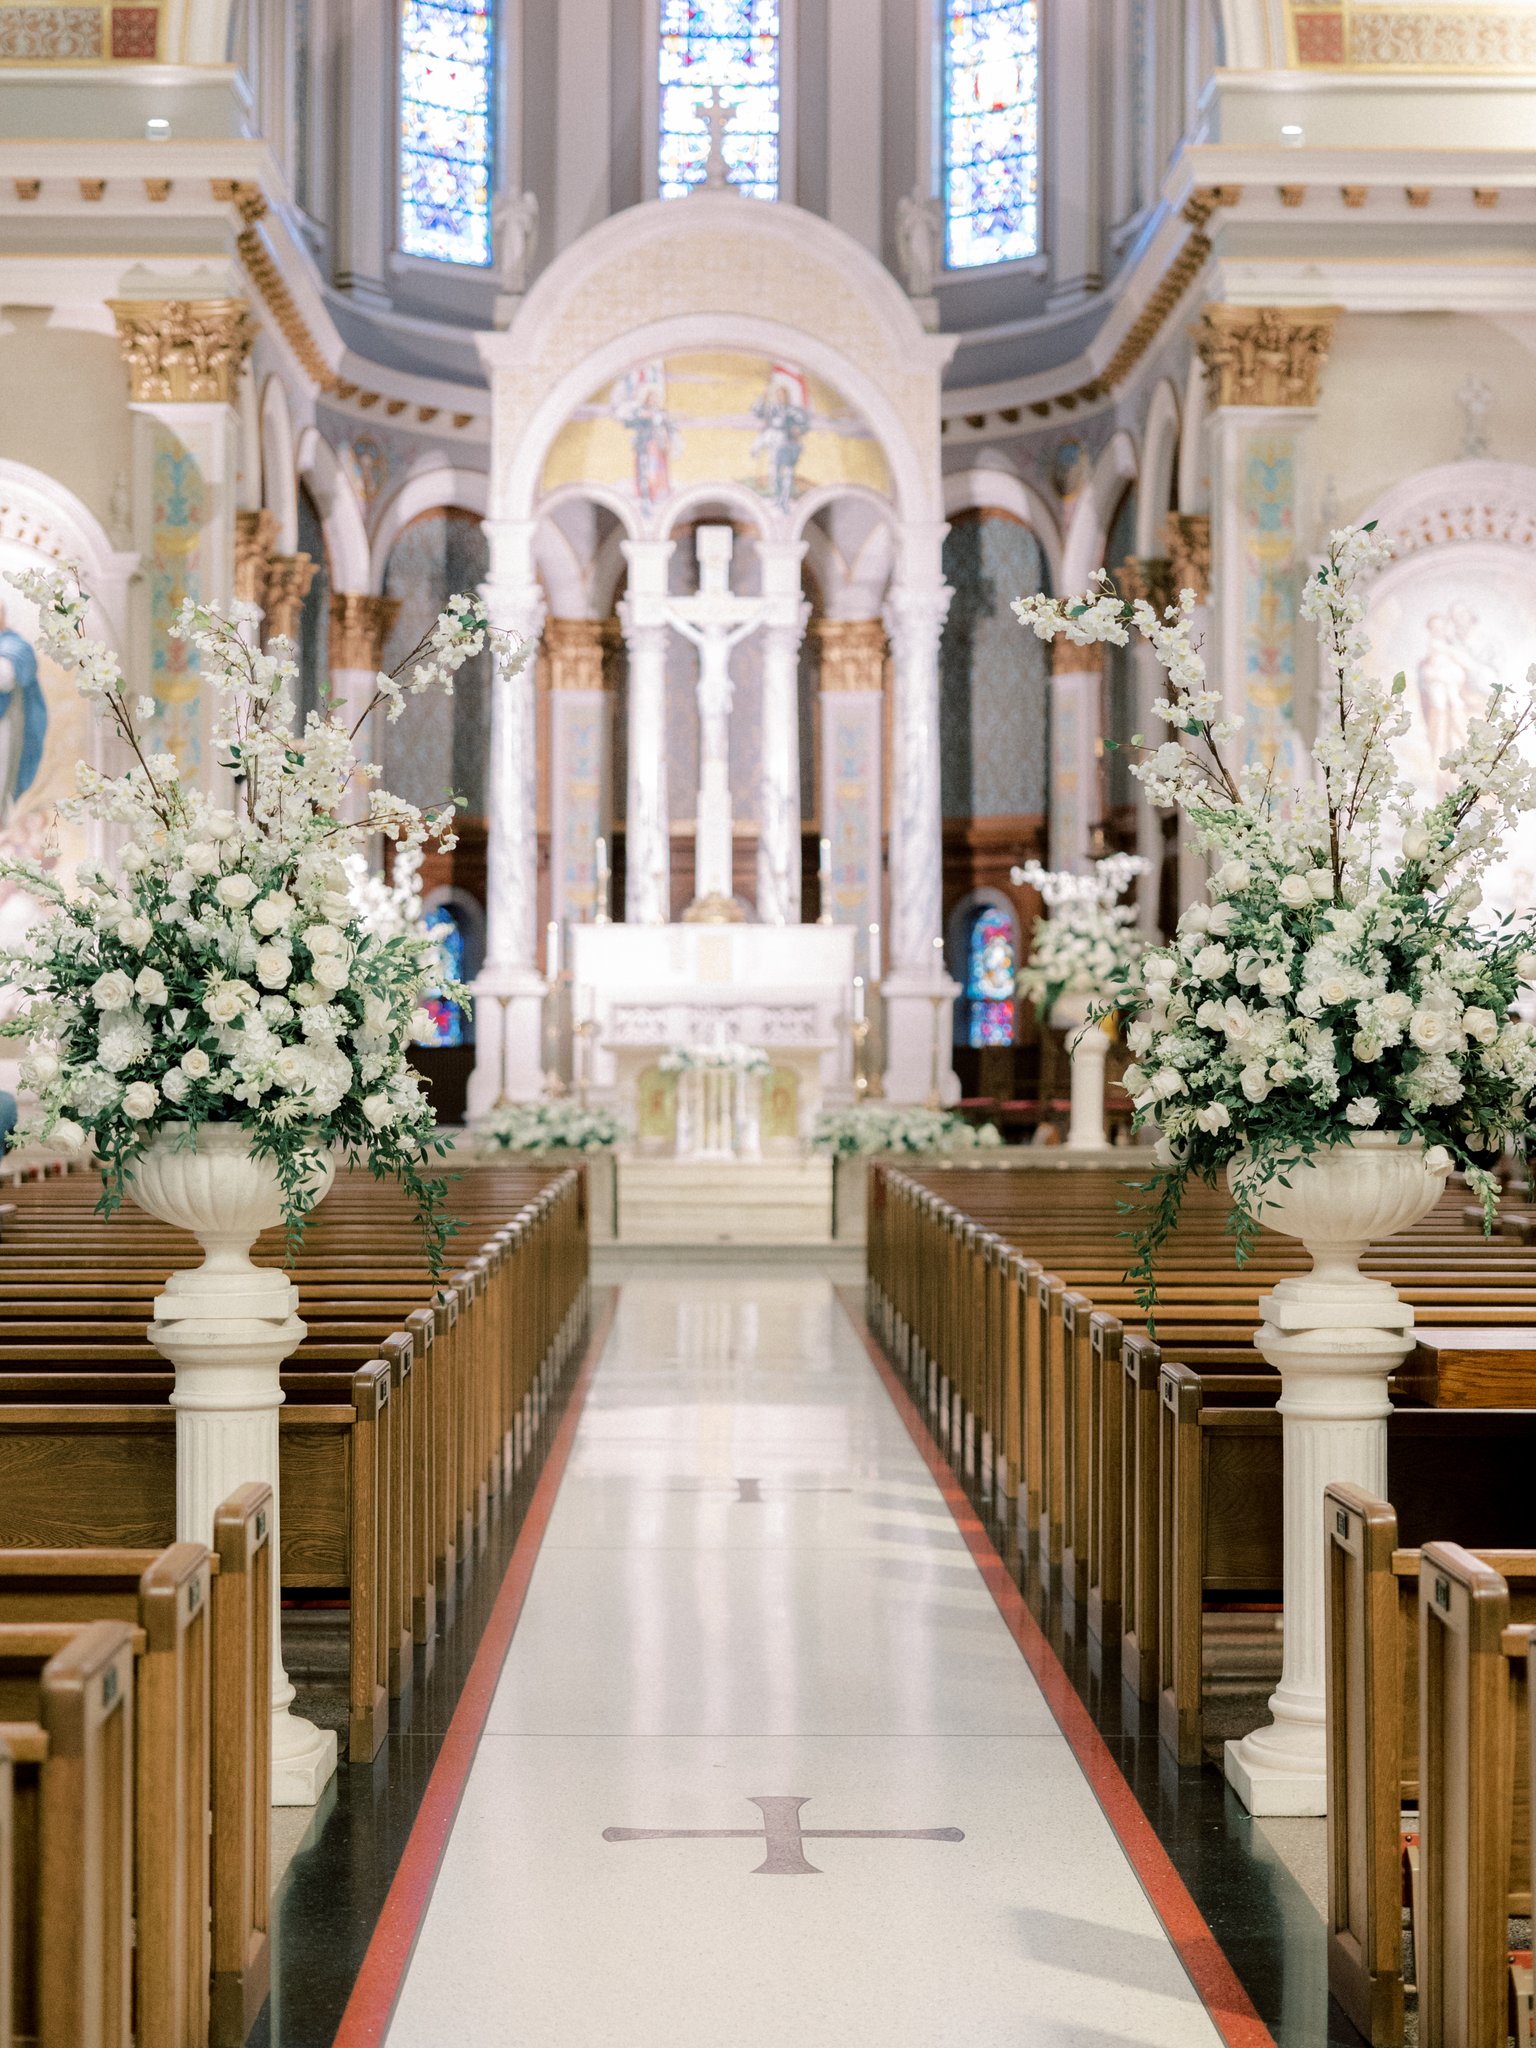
[[112, 991]]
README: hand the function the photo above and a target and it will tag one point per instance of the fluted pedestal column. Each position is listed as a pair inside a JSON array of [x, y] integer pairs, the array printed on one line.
[[580, 763], [918, 994], [647, 818], [1334, 1403], [778, 841], [1088, 1050]]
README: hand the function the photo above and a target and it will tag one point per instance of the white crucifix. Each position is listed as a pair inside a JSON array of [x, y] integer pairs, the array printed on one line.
[[717, 115], [716, 621]]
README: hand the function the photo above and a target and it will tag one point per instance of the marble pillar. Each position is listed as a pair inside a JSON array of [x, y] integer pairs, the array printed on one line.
[[779, 808], [647, 815], [287, 585], [184, 358], [360, 625], [509, 989], [919, 995], [580, 763], [1149, 577], [1188, 539], [1077, 800], [852, 701]]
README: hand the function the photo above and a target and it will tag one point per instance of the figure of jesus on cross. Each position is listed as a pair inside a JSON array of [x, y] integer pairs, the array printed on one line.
[[717, 115]]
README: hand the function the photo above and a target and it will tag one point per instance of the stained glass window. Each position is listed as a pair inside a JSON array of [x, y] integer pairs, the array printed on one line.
[[991, 131], [446, 68], [447, 1017], [989, 978], [729, 46]]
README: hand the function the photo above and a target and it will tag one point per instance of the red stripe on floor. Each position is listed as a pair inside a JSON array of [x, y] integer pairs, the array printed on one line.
[[1213, 1977], [389, 1952]]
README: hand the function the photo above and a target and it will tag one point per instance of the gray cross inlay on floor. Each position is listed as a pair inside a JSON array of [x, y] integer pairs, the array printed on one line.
[[783, 1835]]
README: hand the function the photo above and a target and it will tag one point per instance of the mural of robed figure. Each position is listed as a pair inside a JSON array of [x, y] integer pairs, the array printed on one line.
[[23, 719]]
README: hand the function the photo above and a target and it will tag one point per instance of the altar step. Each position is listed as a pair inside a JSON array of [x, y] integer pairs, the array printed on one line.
[[725, 1201]]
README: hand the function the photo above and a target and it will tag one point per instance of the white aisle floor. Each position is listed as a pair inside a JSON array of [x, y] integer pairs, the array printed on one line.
[[753, 1618]]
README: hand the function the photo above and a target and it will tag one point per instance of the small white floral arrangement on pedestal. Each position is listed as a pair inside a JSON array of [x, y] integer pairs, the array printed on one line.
[[1335, 980], [552, 1125], [729, 1059], [1089, 941], [881, 1127], [222, 970]]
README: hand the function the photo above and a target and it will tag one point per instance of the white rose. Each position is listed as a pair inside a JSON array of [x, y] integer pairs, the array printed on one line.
[[1415, 843], [272, 913], [1395, 1008], [306, 995], [227, 1001], [1255, 1083], [324, 938], [377, 1013], [135, 932], [140, 1098], [1275, 981], [1320, 882], [1365, 1046], [149, 985], [222, 826], [1212, 1015], [67, 1135], [1429, 1029], [135, 860], [113, 991], [234, 891], [424, 1030], [1437, 1160], [196, 1064], [1233, 875], [379, 1110], [1362, 1111], [174, 1085], [1167, 1081], [1196, 919], [1214, 1117], [1295, 891], [201, 859], [292, 1066], [41, 1068], [1222, 919], [1212, 962], [1335, 988], [1480, 1024], [331, 971], [274, 967]]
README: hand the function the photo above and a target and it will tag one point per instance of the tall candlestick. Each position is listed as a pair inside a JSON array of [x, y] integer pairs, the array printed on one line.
[[874, 955], [824, 880], [552, 950], [600, 884], [858, 998]]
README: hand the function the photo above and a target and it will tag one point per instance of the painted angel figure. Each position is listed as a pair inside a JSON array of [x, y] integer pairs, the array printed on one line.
[[23, 718]]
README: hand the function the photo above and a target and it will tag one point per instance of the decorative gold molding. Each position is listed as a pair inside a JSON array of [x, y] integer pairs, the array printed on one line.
[[360, 625], [28, 188], [1068, 659], [1264, 355], [254, 535], [261, 267], [1187, 537], [1150, 577], [1292, 195], [573, 650], [92, 188], [1485, 196], [1353, 195], [157, 189], [183, 351], [1416, 195], [288, 581], [1171, 287], [852, 654]]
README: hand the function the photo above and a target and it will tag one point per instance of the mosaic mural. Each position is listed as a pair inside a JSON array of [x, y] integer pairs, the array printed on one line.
[[700, 418], [32, 34], [993, 678], [1429, 35], [180, 501], [45, 728]]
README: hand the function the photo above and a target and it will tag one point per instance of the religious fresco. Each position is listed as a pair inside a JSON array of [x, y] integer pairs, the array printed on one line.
[[73, 33], [1454, 621], [716, 416], [45, 728], [176, 573]]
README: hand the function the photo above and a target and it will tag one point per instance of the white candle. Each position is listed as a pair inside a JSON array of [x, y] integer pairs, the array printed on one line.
[[858, 999], [874, 955], [552, 950], [826, 860]]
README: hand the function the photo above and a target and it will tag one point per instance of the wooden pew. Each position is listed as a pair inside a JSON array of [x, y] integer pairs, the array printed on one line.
[[72, 1875]]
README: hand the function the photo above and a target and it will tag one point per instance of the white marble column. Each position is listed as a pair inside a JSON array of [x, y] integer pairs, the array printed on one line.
[[852, 700], [919, 996], [509, 989], [778, 844], [1188, 536], [1076, 718], [580, 765], [360, 625], [647, 817]]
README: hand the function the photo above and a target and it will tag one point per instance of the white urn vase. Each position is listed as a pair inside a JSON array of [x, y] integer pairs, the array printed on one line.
[[1335, 1336], [1088, 1050], [226, 1326]]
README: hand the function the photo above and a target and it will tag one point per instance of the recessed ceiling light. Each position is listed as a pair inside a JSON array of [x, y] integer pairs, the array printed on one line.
[[157, 128], [1293, 133]]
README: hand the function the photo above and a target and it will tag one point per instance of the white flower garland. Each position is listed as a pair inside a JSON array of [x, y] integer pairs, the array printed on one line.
[[736, 1059], [872, 1127]]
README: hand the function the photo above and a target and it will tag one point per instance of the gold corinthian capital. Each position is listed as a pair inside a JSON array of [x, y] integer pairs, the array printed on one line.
[[183, 351], [1264, 355]]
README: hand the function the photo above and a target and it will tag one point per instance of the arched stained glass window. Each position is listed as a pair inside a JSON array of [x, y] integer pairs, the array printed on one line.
[[447, 1017], [447, 51], [991, 131], [731, 46], [990, 967]]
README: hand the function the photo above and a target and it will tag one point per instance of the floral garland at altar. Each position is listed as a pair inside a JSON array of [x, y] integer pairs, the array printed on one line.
[[1089, 943], [222, 971], [1335, 980], [730, 1059]]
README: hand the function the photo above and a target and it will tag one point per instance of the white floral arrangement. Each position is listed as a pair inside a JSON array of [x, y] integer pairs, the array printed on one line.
[[1090, 941], [875, 1127], [1335, 980], [734, 1059], [220, 970], [555, 1124]]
